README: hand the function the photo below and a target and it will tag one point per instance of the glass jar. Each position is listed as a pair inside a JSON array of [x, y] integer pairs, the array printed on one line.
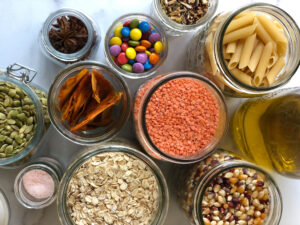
[[21, 76], [41, 169], [86, 52], [176, 29], [222, 185], [154, 26], [199, 60], [120, 113], [117, 146], [4, 209], [266, 130], [142, 99]]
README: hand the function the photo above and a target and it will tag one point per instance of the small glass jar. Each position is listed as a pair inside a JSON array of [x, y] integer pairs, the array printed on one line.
[[176, 29], [21, 76], [142, 99], [4, 209], [206, 186], [116, 146], [120, 113], [154, 26], [199, 60], [26, 188], [86, 52]]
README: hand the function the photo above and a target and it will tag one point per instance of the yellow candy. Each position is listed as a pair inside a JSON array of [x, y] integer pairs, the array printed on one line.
[[130, 53], [117, 32], [148, 53], [158, 47], [135, 34], [115, 41]]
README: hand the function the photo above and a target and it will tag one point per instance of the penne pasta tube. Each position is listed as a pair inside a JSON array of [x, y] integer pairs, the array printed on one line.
[[226, 55], [247, 51], [282, 48], [240, 22], [275, 70], [254, 59], [231, 47], [209, 50], [262, 65], [278, 25], [262, 33], [240, 75], [273, 59], [236, 56], [239, 34]]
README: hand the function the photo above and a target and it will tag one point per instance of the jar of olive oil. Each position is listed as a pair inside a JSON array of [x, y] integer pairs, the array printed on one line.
[[267, 131]]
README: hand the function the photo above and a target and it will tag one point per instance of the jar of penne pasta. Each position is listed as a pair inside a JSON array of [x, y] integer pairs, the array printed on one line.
[[249, 51]]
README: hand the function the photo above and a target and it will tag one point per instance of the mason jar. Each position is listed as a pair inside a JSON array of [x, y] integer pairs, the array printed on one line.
[[88, 51], [200, 56], [121, 147], [223, 189], [176, 29], [18, 130], [142, 99]]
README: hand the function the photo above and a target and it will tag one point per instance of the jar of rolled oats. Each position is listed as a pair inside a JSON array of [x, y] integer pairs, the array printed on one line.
[[222, 189], [113, 183]]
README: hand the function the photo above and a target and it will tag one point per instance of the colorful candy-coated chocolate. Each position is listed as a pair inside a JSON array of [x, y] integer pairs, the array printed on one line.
[[115, 50], [146, 43], [141, 57], [126, 24], [131, 61], [125, 31], [138, 67], [147, 65], [117, 31], [122, 59], [116, 61], [153, 59], [158, 47], [133, 43], [135, 34], [124, 46], [153, 31], [130, 53], [127, 67], [146, 35], [115, 41], [154, 37], [134, 23], [148, 53], [144, 26], [140, 48]]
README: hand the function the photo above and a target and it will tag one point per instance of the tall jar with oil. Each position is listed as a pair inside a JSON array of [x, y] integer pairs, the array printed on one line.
[[267, 131]]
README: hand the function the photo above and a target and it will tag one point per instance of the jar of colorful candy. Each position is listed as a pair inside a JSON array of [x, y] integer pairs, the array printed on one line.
[[135, 46]]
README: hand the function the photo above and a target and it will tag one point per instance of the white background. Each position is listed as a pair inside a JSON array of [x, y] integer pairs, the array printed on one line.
[[20, 24]]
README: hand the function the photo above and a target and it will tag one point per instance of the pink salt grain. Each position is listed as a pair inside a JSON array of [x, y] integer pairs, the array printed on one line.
[[38, 183], [182, 117]]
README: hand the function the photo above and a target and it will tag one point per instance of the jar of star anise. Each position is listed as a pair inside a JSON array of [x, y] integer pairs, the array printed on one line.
[[69, 36]]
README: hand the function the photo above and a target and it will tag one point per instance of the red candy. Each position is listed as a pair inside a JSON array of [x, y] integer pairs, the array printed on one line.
[[146, 35], [126, 24], [122, 59], [124, 46], [116, 61]]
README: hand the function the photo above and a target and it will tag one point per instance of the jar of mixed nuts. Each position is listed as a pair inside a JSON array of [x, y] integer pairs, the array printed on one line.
[[222, 189], [23, 116], [233, 50], [113, 183]]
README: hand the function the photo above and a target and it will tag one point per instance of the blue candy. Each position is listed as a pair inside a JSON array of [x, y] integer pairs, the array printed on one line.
[[125, 31], [153, 31], [147, 65], [144, 26], [131, 61]]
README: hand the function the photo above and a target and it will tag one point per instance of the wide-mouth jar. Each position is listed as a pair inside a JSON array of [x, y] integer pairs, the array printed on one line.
[[159, 52], [93, 162], [90, 45], [190, 133], [224, 188], [208, 52], [120, 111], [174, 28]]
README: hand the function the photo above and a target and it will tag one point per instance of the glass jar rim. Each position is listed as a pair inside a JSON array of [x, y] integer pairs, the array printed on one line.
[[5, 201], [123, 72], [159, 83], [64, 57], [112, 146], [39, 120]]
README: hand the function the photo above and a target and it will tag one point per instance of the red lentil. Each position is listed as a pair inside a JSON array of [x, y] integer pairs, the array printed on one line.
[[182, 117]]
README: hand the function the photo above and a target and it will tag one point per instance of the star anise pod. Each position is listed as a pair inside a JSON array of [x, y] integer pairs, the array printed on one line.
[[68, 35]]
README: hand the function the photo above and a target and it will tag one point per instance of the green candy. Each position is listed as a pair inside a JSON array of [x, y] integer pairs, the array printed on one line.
[[133, 43], [127, 67], [134, 23]]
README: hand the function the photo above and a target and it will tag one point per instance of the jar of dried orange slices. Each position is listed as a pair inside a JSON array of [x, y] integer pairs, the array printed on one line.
[[249, 51]]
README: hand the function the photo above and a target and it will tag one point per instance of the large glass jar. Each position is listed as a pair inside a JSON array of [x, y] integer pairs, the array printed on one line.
[[207, 47], [222, 189], [118, 148]]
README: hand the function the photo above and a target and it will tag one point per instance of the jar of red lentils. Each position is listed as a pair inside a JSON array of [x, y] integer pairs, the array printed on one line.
[[179, 117], [225, 190]]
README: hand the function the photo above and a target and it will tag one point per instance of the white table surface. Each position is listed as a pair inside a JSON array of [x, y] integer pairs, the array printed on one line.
[[20, 24]]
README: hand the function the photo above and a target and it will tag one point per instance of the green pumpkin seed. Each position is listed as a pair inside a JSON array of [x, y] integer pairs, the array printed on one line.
[[11, 121], [2, 116], [2, 155]]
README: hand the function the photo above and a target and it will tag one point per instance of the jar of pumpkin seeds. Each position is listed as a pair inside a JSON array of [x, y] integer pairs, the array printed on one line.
[[23, 116]]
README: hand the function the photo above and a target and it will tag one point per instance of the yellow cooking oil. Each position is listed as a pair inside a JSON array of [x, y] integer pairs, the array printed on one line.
[[267, 131]]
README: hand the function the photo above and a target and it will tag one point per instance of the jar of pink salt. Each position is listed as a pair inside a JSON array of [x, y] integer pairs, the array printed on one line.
[[36, 185], [180, 117]]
